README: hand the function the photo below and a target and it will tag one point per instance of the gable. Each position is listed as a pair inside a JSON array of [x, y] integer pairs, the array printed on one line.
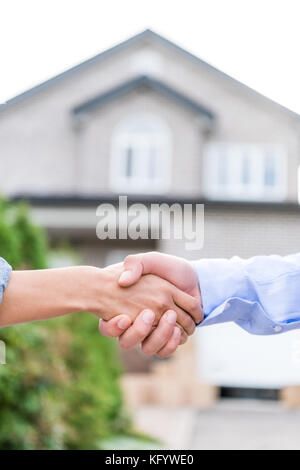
[[143, 82], [149, 37]]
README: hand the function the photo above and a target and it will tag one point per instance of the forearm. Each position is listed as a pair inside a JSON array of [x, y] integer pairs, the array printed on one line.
[[261, 294], [43, 294]]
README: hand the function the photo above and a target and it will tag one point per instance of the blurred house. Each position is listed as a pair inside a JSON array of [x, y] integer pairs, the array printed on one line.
[[150, 120]]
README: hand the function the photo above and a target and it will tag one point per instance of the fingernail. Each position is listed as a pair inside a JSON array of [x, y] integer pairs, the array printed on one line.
[[172, 317], [148, 317], [123, 323], [125, 276], [177, 333]]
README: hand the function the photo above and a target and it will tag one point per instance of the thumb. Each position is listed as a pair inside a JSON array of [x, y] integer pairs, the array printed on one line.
[[133, 270]]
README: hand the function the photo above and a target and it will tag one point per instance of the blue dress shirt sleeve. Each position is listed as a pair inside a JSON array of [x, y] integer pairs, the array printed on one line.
[[262, 294], [5, 270]]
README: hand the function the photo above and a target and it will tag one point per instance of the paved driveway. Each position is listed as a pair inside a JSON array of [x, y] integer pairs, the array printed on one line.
[[231, 424]]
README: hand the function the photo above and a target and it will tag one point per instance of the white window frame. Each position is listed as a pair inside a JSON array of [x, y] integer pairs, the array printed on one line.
[[235, 189], [160, 139]]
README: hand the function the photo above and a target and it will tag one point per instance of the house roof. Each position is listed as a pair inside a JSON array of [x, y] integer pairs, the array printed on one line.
[[140, 83], [144, 35], [63, 200]]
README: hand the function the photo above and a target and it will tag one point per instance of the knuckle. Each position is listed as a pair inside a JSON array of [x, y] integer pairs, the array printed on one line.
[[140, 330], [162, 355], [192, 326], [129, 258], [189, 325], [147, 349], [183, 339], [194, 303], [167, 351], [191, 330], [195, 310], [124, 344], [163, 303], [108, 334], [184, 336], [159, 306], [171, 351], [102, 329]]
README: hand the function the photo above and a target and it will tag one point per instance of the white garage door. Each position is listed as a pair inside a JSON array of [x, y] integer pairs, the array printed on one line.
[[228, 356]]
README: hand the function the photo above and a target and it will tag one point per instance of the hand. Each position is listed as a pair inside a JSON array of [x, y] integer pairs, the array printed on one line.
[[163, 341], [151, 292], [176, 270]]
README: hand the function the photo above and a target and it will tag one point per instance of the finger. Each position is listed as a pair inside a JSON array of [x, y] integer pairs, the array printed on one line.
[[171, 345], [184, 337], [178, 271], [190, 304], [185, 320], [133, 270], [145, 263], [161, 335], [114, 327], [138, 331]]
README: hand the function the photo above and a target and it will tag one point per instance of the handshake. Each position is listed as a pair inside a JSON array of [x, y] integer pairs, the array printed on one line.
[[150, 299], [154, 299]]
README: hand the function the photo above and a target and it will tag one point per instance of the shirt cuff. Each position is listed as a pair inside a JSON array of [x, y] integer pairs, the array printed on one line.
[[222, 279], [229, 295], [5, 270]]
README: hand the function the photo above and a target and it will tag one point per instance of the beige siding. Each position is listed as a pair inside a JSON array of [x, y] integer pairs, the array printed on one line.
[[245, 233]]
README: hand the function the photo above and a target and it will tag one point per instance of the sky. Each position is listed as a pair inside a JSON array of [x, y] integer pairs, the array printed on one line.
[[255, 41]]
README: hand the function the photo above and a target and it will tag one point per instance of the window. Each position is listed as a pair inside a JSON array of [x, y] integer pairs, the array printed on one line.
[[140, 159], [245, 172]]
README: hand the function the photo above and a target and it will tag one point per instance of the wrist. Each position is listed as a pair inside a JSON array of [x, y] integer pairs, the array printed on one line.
[[89, 288], [77, 287], [98, 283]]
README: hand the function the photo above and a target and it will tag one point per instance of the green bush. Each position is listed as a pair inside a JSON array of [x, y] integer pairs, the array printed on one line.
[[59, 388]]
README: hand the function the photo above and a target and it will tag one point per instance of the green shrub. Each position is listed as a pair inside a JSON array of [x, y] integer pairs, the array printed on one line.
[[59, 388]]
